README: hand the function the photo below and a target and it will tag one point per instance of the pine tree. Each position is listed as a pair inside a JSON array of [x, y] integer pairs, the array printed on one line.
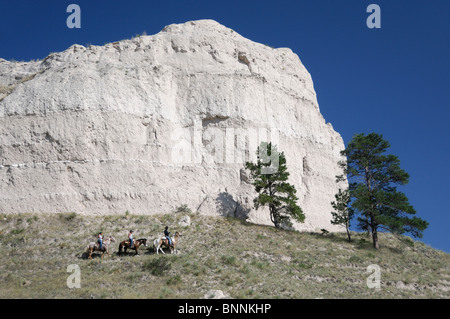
[[269, 177], [373, 178], [343, 214]]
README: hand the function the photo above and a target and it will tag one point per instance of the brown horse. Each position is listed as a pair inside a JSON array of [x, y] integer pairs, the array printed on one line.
[[95, 247], [162, 241], [126, 245]]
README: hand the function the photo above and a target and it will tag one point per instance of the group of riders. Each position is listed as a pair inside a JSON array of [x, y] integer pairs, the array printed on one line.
[[130, 238]]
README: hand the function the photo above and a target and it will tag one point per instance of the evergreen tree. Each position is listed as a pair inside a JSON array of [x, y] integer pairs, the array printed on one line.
[[373, 178], [269, 177], [343, 214]]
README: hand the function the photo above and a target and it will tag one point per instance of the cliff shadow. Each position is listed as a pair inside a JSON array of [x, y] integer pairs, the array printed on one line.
[[227, 206]]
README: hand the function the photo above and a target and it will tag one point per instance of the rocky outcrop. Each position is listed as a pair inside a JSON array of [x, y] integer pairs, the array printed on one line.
[[155, 122]]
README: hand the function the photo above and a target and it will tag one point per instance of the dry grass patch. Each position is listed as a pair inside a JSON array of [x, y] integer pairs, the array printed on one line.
[[243, 260]]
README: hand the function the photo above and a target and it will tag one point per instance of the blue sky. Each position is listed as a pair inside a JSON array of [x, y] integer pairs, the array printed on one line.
[[394, 80]]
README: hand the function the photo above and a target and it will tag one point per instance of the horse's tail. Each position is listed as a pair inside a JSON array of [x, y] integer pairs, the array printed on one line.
[[120, 249]]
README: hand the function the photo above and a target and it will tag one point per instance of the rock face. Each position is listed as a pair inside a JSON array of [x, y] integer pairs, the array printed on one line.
[[155, 122]]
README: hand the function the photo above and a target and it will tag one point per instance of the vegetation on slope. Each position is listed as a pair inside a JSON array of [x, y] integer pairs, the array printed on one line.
[[241, 259]]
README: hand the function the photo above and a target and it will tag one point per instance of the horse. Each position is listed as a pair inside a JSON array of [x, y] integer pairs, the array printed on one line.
[[163, 241], [126, 245], [95, 247]]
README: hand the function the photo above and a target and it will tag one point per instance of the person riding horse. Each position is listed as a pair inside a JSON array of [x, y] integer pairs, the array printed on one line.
[[100, 240], [126, 244], [167, 233], [130, 238], [103, 247], [163, 241]]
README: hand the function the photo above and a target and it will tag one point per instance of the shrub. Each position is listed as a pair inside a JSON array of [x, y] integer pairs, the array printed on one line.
[[229, 260], [183, 209], [157, 267], [355, 259], [17, 231], [68, 216], [174, 280], [32, 219]]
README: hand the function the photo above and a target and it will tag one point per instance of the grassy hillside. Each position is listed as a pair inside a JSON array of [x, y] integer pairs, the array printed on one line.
[[243, 260]]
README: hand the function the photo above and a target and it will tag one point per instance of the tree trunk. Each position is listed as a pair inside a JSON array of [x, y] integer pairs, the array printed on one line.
[[348, 234], [275, 220], [274, 217], [375, 239]]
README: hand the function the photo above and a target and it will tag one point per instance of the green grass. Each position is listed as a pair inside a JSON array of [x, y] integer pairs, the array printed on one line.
[[241, 259]]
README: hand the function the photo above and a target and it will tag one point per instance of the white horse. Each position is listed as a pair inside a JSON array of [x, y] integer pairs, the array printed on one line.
[[93, 246], [162, 241]]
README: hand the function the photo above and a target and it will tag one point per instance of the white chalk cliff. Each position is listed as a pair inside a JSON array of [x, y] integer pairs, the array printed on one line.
[[155, 122]]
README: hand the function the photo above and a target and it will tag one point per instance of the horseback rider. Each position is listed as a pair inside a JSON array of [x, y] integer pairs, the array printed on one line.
[[167, 233], [100, 240], [130, 237]]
